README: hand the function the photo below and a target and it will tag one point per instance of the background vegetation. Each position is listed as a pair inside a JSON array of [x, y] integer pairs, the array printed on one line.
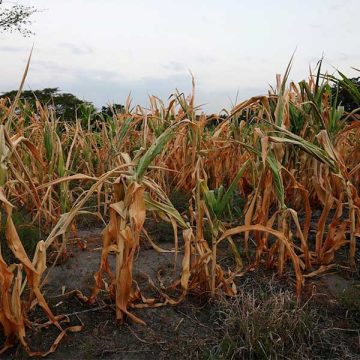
[[254, 180]]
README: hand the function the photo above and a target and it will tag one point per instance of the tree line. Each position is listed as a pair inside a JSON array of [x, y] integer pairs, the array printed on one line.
[[66, 106]]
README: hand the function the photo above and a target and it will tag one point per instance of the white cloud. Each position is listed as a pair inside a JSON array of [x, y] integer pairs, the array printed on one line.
[[103, 50]]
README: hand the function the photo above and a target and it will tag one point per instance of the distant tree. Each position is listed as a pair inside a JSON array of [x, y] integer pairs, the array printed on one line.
[[348, 93], [16, 18], [66, 106], [111, 110]]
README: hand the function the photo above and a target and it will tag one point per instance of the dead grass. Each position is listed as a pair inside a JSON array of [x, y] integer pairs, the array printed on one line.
[[264, 321]]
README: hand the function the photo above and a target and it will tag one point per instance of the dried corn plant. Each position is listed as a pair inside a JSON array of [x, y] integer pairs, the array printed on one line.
[[254, 178]]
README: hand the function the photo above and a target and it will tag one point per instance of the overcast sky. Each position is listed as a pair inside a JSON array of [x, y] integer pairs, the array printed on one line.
[[102, 50]]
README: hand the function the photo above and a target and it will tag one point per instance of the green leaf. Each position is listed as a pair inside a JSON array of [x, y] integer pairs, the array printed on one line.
[[124, 129], [277, 179], [168, 209], [308, 147], [154, 150], [224, 200]]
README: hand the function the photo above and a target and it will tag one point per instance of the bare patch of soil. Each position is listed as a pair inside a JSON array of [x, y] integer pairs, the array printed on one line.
[[168, 328], [192, 329]]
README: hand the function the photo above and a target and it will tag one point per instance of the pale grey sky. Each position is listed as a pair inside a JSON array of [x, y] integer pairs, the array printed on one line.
[[102, 50]]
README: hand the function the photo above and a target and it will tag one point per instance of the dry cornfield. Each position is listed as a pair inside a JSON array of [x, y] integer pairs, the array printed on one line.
[[253, 178]]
